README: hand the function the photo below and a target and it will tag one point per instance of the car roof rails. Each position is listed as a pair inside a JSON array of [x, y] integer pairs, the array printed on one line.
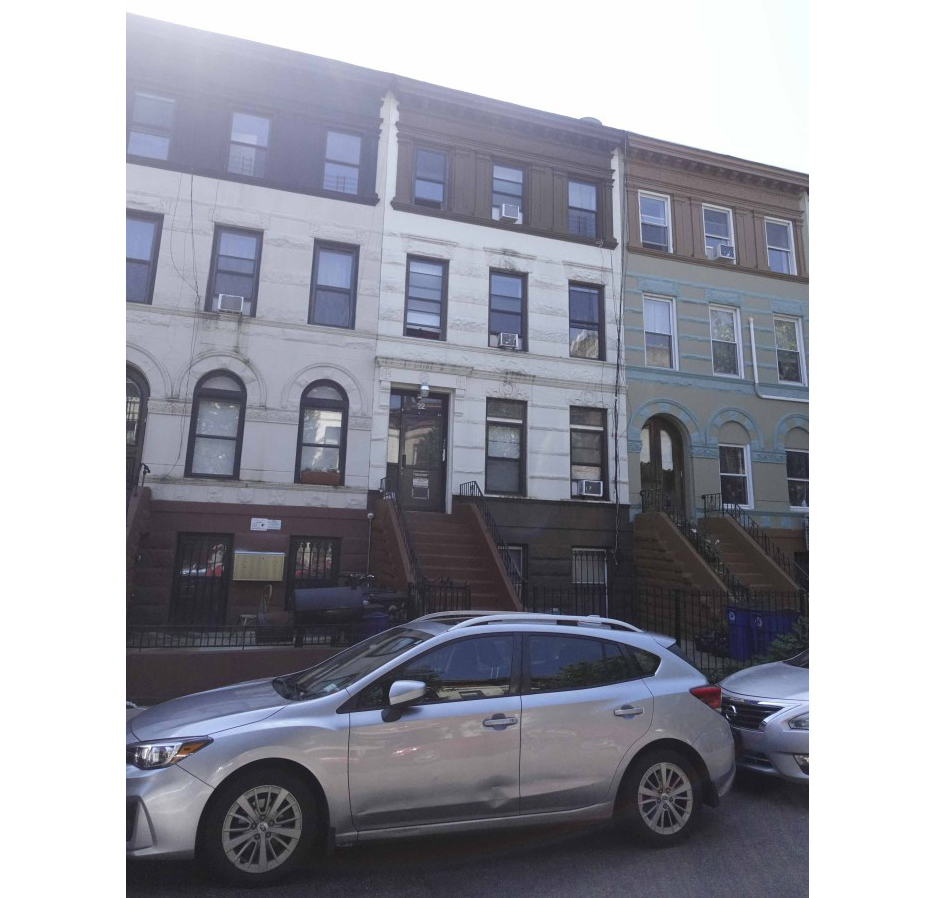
[[465, 619]]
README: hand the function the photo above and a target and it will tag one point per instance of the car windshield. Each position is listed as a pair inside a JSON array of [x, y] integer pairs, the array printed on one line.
[[350, 665], [800, 660]]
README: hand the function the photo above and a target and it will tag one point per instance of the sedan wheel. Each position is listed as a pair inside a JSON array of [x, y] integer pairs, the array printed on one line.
[[661, 798]]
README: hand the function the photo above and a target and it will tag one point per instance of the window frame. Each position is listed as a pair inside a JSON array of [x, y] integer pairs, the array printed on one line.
[[580, 323], [307, 402], [140, 127], [211, 297], [791, 250], [589, 428], [516, 423], [326, 161], [668, 225], [426, 203], [730, 239], [202, 393], [521, 201], [522, 334], [670, 302], [157, 221], [801, 509], [351, 249], [443, 300], [747, 474], [801, 356], [582, 182], [736, 321], [253, 113]]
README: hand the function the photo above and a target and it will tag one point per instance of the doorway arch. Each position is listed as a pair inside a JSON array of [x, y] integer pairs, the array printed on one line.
[[662, 464]]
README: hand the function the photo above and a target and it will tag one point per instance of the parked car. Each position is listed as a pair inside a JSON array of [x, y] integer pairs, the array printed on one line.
[[417, 730], [768, 708]]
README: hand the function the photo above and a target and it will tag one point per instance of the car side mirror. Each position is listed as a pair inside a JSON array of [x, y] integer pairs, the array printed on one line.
[[402, 693]]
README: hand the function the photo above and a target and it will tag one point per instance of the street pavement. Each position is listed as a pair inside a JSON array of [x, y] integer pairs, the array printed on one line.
[[755, 844]]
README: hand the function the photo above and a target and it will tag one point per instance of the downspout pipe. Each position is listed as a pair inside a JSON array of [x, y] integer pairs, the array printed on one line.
[[757, 389]]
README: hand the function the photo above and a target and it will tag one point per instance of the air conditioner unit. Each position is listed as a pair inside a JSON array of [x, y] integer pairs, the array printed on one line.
[[509, 212], [508, 341], [228, 302], [593, 488], [720, 251]]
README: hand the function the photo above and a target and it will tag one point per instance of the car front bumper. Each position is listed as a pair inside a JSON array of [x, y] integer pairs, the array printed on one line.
[[774, 749]]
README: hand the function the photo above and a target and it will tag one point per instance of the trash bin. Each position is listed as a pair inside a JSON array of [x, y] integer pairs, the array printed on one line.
[[740, 643], [766, 626], [371, 624]]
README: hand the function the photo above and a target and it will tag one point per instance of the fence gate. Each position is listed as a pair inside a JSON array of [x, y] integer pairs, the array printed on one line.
[[200, 579]]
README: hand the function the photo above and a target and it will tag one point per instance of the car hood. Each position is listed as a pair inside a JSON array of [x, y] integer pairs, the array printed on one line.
[[209, 712], [775, 680]]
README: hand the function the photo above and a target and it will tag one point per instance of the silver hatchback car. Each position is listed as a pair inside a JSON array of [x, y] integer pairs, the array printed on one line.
[[453, 722]]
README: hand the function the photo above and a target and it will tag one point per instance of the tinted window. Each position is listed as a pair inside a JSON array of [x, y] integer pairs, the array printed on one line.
[[646, 662], [575, 662]]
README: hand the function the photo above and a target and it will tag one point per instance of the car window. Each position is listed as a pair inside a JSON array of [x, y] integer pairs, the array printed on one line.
[[646, 662], [475, 667], [575, 662]]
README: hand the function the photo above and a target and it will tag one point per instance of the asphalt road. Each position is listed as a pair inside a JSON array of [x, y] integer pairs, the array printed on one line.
[[755, 843]]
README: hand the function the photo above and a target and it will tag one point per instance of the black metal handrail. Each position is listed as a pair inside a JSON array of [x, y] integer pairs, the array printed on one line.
[[656, 500], [391, 496], [472, 491], [713, 504]]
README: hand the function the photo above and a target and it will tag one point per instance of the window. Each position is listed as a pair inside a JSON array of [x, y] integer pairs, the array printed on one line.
[[235, 267], [250, 139], [725, 327], [558, 663], [718, 229], [585, 331], [583, 209], [797, 472], [334, 285], [508, 306], [150, 126], [516, 568], [429, 189], [137, 398], [590, 581], [217, 427], [658, 332], [425, 298], [733, 468], [143, 233], [789, 350], [507, 189], [200, 581], [504, 462], [313, 561], [780, 246], [587, 434], [342, 162], [655, 221], [323, 427]]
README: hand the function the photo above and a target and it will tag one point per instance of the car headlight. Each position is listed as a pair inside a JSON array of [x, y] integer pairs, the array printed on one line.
[[801, 722], [150, 755]]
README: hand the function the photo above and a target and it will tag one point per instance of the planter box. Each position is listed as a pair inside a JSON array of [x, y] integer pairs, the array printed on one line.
[[322, 478]]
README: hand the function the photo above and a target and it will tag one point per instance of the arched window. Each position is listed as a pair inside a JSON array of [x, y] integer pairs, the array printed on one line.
[[137, 396], [323, 429], [217, 427]]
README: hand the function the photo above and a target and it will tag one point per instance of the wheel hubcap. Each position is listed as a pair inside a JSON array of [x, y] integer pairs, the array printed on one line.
[[262, 829], [664, 798]]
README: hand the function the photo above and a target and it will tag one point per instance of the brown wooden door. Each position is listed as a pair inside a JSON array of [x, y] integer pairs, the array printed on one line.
[[661, 465]]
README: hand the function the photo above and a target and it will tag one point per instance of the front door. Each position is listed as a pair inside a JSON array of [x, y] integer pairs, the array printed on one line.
[[416, 449], [661, 465]]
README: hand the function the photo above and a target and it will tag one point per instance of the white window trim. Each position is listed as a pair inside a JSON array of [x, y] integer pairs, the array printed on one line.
[[669, 216], [804, 374], [792, 250], [731, 234], [739, 355], [748, 473], [799, 509], [671, 302]]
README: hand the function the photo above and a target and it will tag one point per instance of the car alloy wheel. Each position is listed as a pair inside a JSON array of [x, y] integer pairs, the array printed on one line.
[[665, 798]]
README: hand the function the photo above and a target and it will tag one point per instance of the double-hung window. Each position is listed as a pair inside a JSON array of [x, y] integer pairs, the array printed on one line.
[[217, 427], [143, 232], [235, 269], [504, 462], [507, 190], [508, 308], [789, 350], [797, 472], [587, 450], [429, 186], [734, 471], [334, 285], [250, 142], [585, 331], [658, 332], [725, 350], [583, 208], [425, 298], [342, 162], [322, 434], [150, 126], [780, 246], [655, 230], [718, 232]]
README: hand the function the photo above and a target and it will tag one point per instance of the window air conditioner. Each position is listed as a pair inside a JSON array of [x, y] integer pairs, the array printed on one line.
[[720, 251], [593, 488], [228, 302], [508, 341], [509, 212]]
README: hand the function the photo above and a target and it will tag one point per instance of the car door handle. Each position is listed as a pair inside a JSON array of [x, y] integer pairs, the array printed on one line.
[[628, 711], [499, 720]]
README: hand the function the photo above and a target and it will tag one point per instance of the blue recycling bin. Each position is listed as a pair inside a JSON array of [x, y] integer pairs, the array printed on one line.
[[740, 641], [766, 626]]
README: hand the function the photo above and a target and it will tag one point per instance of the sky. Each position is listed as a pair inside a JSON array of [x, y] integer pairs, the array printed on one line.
[[733, 78]]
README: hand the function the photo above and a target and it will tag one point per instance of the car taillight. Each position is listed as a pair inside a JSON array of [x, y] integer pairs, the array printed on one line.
[[710, 695]]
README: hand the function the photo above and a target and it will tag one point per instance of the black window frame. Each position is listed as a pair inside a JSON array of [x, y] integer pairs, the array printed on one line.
[[589, 214], [793, 476], [157, 221], [519, 424], [588, 429], [581, 324], [212, 294], [426, 202], [350, 249], [231, 143], [140, 126], [492, 331], [202, 393], [414, 331], [308, 402], [325, 161]]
